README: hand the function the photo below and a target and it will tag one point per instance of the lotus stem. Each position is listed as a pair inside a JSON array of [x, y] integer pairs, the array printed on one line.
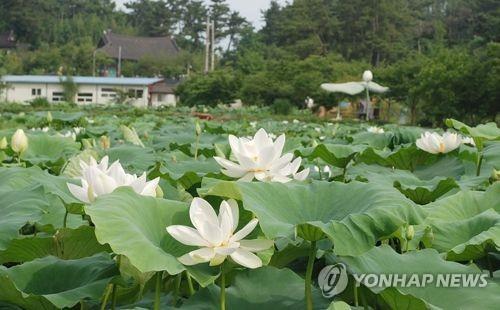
[[367, 104], [114, 289], [490, 265], [356, 302], [309, 271], [159, 275], [106, 297], [222, 289], [479, 163], [196, 147], [190, 283], [319, 170], [65, 221]]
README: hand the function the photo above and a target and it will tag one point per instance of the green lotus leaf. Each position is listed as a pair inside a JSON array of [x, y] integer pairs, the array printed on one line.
[[16, 178], [62, 282], [354, 215], [383, 260], [190, 171], [135, 226], [403, 157], [466, 225], [134, 158], [491, 154], [49, 149], [262, 288], [65, 244], [488, 131], [18, 208], [337, 155], [420, 191], [378, 141]]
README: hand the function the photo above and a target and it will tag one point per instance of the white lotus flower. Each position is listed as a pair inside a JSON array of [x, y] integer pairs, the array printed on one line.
[[375, 129], [99, 179], [468, 140], [19, 141], [217, 237], [367, 76], [326, 169], [435, 143], [296, 121], [253, 124], [261, 158]]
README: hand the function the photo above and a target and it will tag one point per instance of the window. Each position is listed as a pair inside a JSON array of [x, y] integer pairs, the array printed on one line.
[[36, 92], [57, 96], [85, 97], [135, 93], [108, 92]]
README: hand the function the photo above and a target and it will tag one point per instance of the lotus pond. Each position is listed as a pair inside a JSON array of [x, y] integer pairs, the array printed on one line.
[[161, 211]]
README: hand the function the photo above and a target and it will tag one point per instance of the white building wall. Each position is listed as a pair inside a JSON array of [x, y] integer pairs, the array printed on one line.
[[169, 100], [87, 93]]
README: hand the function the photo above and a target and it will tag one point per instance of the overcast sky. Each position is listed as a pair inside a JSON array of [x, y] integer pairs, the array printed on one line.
[[250, 9]]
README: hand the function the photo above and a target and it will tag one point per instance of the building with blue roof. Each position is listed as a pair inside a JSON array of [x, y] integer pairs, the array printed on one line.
[[91, 90]]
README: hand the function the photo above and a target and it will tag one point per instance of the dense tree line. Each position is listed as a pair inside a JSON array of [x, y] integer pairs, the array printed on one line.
[[439, 57]]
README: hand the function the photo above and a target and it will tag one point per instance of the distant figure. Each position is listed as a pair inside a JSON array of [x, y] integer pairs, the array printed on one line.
[[322, 112], [309, 103]]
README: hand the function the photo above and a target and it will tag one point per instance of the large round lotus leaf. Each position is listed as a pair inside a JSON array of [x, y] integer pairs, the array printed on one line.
[[378, 141], [134, 158], [66, 243], [488, 131], [135, 226], [420, 191], [18, 208], [62, 282], [190, 171], [354, 215], [16, 178], [405, 157], [338, 155], [491, 154], [466, 225], [263, 288], [49, 149], [383, 260]]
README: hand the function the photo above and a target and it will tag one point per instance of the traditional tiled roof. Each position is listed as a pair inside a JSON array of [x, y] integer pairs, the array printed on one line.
[[164, 87], [135, 48]]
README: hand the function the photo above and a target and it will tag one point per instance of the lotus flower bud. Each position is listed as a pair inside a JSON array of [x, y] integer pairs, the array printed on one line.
[[314, 143], [410, 232], [49, 117], [495, 174], [87, 144], [19, 141], [367, 76], [3, 143], [159, 192], [198, 128], [105, 142]]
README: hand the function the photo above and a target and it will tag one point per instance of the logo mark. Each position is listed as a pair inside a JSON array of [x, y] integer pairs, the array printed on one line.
[[332, 280]]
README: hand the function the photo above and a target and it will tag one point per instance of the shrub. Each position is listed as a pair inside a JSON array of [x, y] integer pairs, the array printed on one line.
[[281, 106], [39, 102]]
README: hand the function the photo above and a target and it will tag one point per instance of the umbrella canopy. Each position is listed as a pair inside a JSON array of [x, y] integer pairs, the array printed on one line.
[[354, 88]]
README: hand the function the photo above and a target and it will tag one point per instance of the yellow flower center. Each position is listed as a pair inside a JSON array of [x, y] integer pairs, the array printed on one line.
[[441, 147]]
